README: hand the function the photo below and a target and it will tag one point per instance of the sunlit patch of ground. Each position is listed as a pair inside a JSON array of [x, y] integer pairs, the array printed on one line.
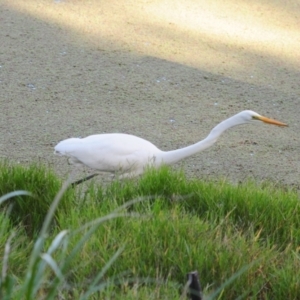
[[207, 34]]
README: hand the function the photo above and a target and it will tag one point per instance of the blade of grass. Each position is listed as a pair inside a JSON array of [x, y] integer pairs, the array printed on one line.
[[14, 194], [31, 286], [93, 288], [52, 263]]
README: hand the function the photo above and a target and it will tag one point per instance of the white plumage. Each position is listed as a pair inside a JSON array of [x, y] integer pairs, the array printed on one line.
[[129, 155]]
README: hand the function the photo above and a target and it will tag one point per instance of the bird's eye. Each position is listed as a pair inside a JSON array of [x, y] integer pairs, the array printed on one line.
[[255, 118]]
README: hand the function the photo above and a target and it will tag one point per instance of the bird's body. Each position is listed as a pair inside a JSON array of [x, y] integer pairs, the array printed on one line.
[[114, 152], [129, 155]]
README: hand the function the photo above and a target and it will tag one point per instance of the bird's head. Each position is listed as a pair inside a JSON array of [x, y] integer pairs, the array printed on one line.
[[249, 116]]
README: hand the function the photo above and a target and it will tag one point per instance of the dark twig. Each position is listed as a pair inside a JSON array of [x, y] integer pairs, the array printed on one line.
[[73, 184]]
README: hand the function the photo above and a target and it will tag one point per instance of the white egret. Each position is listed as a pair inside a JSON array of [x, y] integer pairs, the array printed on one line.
[[128, 155]]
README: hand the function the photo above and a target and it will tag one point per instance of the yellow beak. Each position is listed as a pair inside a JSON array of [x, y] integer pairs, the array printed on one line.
[[271, 121]]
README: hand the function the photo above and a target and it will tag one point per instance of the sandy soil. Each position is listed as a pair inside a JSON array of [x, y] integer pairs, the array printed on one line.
[[165, 70]]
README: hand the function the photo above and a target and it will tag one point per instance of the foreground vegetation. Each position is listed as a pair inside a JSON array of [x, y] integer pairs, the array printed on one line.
[[137, 239]]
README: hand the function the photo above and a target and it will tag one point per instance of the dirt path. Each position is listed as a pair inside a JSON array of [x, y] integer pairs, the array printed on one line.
[[162, 70]]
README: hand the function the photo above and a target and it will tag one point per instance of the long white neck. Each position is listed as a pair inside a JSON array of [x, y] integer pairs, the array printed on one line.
[[171, 157]]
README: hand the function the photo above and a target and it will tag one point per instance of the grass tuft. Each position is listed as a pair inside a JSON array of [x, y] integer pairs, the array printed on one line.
[[41, 183]]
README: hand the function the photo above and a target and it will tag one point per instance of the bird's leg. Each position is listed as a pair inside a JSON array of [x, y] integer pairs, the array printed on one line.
[[73, 184]]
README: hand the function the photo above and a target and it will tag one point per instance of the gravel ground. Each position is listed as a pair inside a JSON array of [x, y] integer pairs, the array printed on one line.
[[167, 71]]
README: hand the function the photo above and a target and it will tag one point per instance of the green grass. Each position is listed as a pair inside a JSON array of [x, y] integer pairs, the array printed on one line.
[[137, 239], [42, 183]]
